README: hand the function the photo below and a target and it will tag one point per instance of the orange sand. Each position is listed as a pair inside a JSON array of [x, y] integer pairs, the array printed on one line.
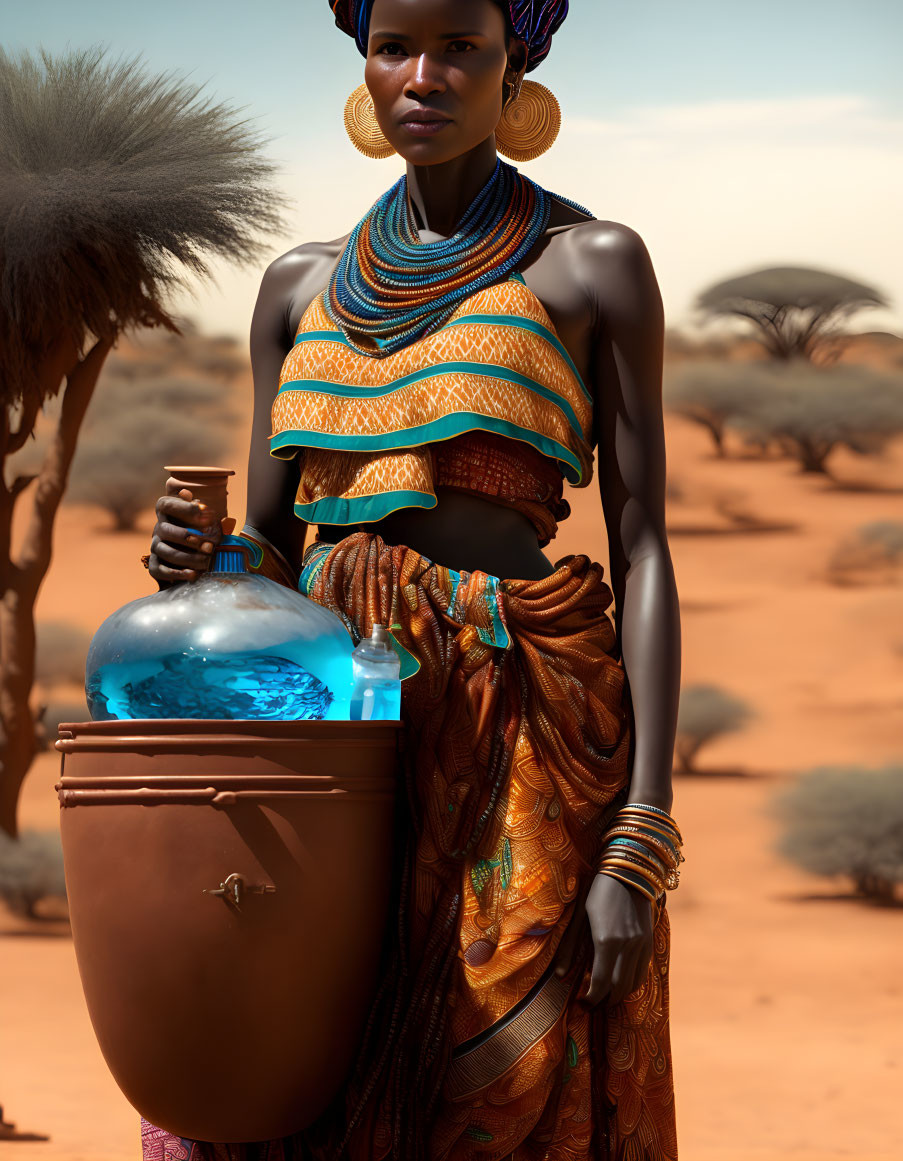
[[786, 995]]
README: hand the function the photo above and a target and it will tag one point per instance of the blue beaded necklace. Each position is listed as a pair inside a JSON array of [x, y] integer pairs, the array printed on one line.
[[390, 289]]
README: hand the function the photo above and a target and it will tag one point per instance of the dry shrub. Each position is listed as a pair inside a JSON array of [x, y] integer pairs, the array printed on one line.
[[846, 820], [873, 553], [31, 870], [706, 712], [61, 652], [49, 718]]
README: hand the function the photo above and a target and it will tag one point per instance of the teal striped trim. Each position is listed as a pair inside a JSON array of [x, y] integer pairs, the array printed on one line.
[[311, 570], [487, 370], [525, 324], [409, 663], [439, 429], [361, 509], [502, 320], [496, 635]]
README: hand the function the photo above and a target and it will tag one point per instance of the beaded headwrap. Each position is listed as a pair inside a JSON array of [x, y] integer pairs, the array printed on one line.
[[533, 21]]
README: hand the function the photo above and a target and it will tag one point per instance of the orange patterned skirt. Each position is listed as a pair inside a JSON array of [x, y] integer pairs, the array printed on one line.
[[517, 753], [517, 743]]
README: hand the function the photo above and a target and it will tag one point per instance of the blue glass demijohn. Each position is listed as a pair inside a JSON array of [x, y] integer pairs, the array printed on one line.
[[230, 644]]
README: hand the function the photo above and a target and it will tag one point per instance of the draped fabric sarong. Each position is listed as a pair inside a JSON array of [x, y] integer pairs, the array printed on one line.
[[517, 753]]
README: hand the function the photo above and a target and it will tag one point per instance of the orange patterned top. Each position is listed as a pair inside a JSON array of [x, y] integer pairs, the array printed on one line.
[[490, 403]]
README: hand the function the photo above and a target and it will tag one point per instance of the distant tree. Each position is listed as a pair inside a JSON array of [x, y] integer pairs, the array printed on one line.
[[706, 712], [160, 355], [846, 821], [793, 310], [220, 357], [680, 345], [136, 427], [112, 181], [31, 869], [803, 410], [133, 369]]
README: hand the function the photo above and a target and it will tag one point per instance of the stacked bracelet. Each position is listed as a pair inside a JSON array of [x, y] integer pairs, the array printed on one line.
[[643, 849]]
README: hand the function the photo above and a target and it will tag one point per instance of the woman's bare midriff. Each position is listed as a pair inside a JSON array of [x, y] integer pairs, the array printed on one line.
[[463, 532]]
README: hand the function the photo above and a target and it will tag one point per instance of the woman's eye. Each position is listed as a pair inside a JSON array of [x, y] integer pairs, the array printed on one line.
[[460, 45], [391, 48]]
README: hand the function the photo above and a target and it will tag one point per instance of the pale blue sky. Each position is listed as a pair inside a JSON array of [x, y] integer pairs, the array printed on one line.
[[288, 62], [728, 134]]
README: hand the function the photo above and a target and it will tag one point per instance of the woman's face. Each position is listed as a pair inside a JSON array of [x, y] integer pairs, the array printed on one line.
[[435, 70]]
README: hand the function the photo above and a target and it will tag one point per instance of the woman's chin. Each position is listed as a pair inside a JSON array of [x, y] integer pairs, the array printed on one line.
[[431, 150]]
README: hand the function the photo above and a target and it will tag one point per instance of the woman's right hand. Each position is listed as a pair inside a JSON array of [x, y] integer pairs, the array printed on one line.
[[184, 539]]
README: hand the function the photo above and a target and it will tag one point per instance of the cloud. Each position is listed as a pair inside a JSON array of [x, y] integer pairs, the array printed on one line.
[[841, 116]]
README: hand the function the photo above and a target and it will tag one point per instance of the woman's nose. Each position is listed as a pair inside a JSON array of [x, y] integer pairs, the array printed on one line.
[[424, 78]]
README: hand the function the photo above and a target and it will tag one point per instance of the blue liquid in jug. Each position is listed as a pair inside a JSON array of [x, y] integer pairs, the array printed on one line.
[[251, 686]]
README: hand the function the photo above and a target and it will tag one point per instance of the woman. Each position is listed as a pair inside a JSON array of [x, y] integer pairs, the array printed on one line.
[[442, 370]]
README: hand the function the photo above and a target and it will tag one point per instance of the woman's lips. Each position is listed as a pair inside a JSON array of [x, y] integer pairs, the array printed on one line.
[[425, 128]]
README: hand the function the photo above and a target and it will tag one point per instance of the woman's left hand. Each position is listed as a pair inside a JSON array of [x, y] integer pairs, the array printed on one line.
[[621, 920]]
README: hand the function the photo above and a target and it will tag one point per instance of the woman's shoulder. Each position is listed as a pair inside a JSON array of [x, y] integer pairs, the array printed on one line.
[[608, 260], [293, 280], [591, 235]]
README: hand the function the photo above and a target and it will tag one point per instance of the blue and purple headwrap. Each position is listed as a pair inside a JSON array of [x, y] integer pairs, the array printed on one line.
[[534, 21]]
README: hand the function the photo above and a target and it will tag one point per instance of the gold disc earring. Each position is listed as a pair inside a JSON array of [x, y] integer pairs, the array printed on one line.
[[362, 127], [529, 124]]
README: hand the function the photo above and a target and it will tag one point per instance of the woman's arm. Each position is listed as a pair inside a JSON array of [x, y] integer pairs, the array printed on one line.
[[628, 327], [289, 285], [629, 430], [272, 482]]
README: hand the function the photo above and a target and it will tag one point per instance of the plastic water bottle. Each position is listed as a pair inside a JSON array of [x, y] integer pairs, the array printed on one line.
[[376, 678]]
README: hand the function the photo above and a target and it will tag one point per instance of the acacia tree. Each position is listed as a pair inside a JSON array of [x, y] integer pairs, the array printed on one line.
[[795, 311], [114, 183], [133, 427]]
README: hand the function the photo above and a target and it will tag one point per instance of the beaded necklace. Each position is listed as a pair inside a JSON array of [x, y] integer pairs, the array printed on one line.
[[390, 289]]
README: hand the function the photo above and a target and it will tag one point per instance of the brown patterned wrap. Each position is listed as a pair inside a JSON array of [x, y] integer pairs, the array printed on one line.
[[517, 755]]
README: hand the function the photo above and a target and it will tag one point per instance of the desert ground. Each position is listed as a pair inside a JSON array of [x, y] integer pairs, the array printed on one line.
[[787, 999]]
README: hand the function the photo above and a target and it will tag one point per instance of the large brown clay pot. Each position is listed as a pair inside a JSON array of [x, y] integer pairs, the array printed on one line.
[[228, 886]]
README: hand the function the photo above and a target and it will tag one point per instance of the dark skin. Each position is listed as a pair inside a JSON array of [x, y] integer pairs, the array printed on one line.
[[450, 61]]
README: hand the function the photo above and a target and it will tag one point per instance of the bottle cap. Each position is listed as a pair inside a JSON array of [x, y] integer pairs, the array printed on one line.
[[380, 636]]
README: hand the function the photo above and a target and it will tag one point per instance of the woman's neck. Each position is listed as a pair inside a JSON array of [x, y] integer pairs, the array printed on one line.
[[440, 194]]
